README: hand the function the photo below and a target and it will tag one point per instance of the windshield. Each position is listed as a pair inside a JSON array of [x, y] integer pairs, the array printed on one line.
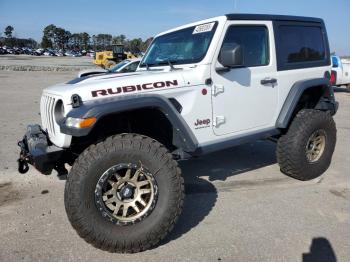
[[119, 66], [185, 46], [118, 49]]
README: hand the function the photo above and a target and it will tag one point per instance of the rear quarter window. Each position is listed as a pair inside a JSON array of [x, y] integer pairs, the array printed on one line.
[[301, 46]]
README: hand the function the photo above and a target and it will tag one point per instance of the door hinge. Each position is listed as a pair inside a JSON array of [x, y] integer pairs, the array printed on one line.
[[219, 120], [217, 89]]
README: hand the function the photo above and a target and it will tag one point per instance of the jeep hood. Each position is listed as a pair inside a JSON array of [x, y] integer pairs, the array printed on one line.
[[117, 84]]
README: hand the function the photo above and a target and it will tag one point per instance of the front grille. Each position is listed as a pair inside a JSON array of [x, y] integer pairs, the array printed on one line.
[[47, 107]]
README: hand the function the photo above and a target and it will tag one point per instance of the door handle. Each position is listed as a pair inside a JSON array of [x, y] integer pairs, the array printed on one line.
[[268, 80]]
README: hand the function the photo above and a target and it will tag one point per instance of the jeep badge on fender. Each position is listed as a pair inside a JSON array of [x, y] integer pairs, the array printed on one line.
[[190, 95], [202, 123]]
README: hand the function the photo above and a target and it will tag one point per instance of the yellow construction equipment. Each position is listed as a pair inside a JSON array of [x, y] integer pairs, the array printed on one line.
[[107, 59]]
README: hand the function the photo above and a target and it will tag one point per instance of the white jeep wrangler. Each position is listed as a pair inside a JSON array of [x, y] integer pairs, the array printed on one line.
[[200, 88]]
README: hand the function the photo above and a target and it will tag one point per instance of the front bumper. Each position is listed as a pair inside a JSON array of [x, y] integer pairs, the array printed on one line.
[[37, 150]]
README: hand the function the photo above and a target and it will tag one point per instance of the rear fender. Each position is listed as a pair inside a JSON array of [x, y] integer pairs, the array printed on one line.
[[326, 103]]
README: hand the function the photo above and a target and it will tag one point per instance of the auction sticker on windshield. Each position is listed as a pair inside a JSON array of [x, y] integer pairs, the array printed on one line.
[[203, 28]]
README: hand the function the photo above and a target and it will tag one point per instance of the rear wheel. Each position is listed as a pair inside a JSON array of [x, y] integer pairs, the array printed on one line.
[[306, 150], [124, 194]]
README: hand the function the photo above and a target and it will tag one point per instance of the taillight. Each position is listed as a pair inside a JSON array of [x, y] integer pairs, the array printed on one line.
[[333, 78]]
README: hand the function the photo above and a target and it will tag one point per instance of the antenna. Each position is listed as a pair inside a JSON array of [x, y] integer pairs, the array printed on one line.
[[235, 5]]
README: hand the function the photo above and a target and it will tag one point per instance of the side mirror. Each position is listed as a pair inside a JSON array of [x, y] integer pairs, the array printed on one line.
[[231, 55]]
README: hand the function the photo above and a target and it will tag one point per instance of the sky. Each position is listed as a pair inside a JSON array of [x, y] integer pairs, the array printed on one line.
[[145, 18]]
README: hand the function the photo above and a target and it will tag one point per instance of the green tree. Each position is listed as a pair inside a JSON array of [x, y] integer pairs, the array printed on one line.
[[8, 31], [94, 42], [120, 39], [79, 41], [61, 37], [49, 31], [75, 41], [146, 44], [48, 36], [22, 42], [103, 41], [46, 43], [134, 45], [85, 38]]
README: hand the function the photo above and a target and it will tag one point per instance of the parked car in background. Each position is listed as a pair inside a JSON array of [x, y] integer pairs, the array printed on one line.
[[90, 53], [126, 66], [49, 52], [3, 50], [340, 72]]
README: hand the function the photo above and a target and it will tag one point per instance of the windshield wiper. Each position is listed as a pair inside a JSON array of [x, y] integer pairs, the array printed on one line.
[[167, 62], [171, 65], [145, 64], [164, 62]]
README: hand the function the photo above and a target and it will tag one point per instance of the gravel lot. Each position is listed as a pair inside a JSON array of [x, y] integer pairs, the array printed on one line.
[[238, 207], [44, 63]]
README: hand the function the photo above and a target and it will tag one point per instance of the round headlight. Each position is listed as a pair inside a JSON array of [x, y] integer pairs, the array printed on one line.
[[59, 111]]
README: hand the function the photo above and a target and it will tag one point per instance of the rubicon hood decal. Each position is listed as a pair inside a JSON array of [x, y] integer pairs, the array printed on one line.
[[134, 88], [99, 77]]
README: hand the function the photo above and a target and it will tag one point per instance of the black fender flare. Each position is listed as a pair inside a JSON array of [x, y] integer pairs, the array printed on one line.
[[183, 135], [327, 101]]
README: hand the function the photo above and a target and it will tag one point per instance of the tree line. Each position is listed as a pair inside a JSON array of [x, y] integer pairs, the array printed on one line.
[[60, 38], [57, 37], [11, 41]]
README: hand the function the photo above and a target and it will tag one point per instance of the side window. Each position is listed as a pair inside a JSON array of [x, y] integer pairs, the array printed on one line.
[[131, 68], [335, 63], [134, 66], [301, 44], [254, 43]]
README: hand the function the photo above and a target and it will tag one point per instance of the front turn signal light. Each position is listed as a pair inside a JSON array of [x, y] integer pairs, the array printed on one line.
[[80, 122]]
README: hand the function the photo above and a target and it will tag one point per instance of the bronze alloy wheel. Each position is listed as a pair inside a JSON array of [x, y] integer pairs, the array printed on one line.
[[305, 151], [315, 146], [126, 193]]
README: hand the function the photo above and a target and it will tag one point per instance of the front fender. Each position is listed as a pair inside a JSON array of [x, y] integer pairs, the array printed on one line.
[[183, 136]]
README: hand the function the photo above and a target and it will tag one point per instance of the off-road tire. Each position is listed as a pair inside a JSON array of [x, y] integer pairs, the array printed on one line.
[[291, 147], [79, 195]]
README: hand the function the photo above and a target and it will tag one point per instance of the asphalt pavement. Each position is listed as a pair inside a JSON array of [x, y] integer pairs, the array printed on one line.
[[238, 206]]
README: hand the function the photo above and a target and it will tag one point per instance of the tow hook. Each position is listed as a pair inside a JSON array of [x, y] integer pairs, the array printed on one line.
[[23, 166]]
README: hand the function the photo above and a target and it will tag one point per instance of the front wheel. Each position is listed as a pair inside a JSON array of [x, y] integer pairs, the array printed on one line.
[[124, 194], [305, 151]]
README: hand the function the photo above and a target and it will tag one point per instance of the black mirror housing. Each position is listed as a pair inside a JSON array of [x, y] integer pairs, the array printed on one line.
[[231, 55]]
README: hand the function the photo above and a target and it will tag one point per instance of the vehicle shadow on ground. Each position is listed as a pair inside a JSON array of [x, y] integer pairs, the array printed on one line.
[[320, 251], [217, 166], [231, 162]]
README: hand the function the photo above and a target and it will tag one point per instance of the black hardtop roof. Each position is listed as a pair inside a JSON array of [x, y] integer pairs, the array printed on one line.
[[273, 18]]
